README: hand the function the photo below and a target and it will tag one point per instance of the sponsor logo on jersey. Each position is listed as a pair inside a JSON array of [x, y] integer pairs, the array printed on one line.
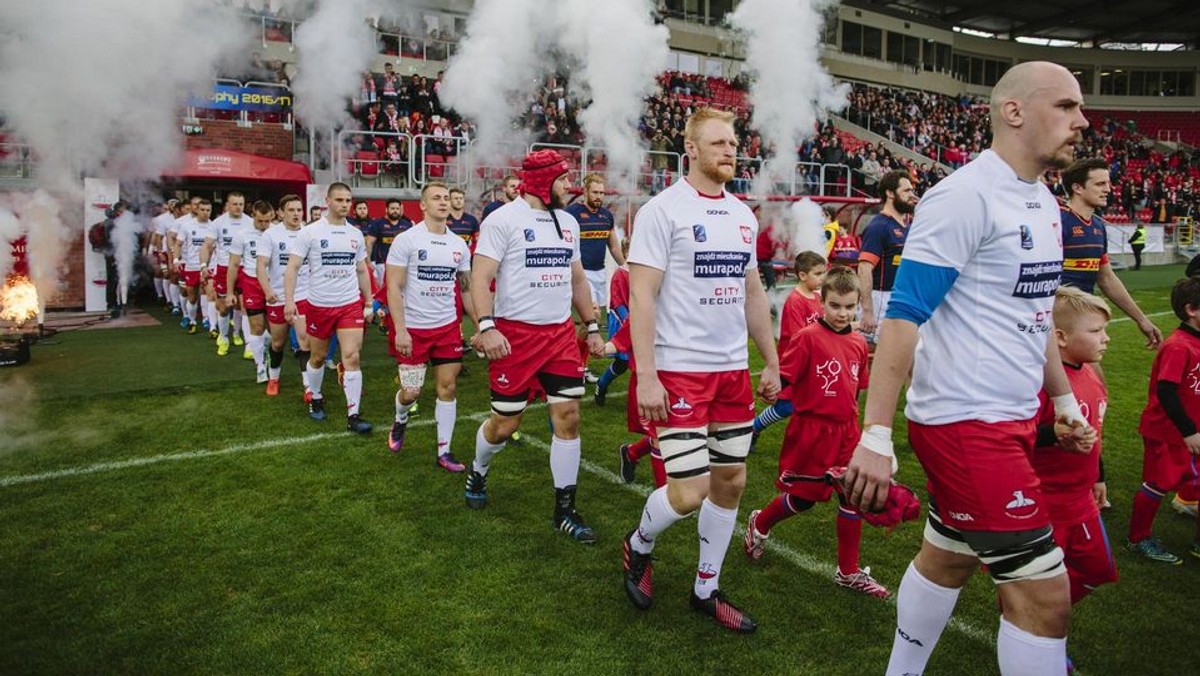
[[699, 234], [1033, 205], [747, 234], [1082, 264], [1021, 507], [717, 212], [337, 258], [422, 255], [1026, 237], [1038, 280], [720, 264], [435, 273], [529, 235], [547, 257]]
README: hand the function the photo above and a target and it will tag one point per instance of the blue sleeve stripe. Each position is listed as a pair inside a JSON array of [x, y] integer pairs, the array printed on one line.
[[918, 290]]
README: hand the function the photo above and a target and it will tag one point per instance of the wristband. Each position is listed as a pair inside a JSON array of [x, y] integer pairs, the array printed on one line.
[[486, 324], [593, 327], [1066, 406], [878, 439]]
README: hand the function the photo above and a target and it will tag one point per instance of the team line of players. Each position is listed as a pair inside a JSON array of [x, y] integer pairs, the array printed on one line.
[[692, 391]]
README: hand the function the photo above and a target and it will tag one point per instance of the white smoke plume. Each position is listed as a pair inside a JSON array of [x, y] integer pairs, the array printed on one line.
[[96, 88], [335, 45], [805, 223], [617, 75], [125, 233], [10, 230], [497, 69], [790, 89]]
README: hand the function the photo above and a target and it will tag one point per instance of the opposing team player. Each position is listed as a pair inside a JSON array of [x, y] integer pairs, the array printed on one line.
[[1085, 241], [272, 265], [530, 247], [597, 235], [1169, 425], [883, 246], [426, 267], [242, 278], [192, 234], [802, 307], [218, 247], [982, 261], [509, 192], [339, 299], [461, 223], [382, 233], [695, 293]]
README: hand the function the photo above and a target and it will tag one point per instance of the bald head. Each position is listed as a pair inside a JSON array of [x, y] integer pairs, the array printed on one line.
[[1023, 82]]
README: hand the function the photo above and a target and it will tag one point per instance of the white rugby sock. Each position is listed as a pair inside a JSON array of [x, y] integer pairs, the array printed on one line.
[[158, 288], [191, 311], [715, 527], [316, 376], [922, 611], [564, 461], [223, 324], [255, 345], [657, 516], [352, 382], [241, 324], [402, 409], [1023, 654], [445, 412], [484, 451]]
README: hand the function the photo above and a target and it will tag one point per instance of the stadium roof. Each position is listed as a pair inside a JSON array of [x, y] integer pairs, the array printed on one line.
[[1087, 21]]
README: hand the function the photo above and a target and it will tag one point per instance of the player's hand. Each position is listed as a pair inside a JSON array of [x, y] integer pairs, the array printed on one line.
[[289, 312], [768, 384], [1100, 494], [493, 343], [595, 344], [652, 399], [230, 300], [272, 299], [610, 350], [368, 313], [1153, 335], [1073, 435], [868, 478], [403, 342], [866, 321], [1193, 443]]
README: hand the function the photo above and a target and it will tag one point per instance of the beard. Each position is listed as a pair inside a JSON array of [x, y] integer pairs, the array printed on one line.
[[904, 207], [556, 201]]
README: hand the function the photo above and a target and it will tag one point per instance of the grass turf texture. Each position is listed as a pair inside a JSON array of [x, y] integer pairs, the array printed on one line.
[[304, 549]]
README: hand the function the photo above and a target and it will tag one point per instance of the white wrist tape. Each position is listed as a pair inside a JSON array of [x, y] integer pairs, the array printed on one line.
[[878, 439], [486, 325], [1066, 405]]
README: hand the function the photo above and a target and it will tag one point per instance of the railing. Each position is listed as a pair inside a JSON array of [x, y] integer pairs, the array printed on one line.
[[413, 47], [355, 165], [1168, 136], [444, 163], [595, 160], [16, 160]]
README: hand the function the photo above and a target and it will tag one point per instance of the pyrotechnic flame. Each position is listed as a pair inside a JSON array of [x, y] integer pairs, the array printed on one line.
[[18, 300]]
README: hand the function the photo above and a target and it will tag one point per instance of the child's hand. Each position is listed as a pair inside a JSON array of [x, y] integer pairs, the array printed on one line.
[[1075, 436], [1193, 443], [1100, 494], [610, 350]]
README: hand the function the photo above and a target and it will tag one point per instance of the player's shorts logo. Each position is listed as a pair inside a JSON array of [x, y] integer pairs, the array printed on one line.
[[682, 407], [747, 234], [503, 379], [699, 234], [1021, 507], [422, 255], [1026, 237], [529, 235]]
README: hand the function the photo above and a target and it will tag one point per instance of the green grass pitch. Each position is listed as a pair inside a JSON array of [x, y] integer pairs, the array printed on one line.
[[158, 514]]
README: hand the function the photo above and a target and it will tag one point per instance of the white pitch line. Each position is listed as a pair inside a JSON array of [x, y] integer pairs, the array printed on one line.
[[1152, 314], [803, 561]]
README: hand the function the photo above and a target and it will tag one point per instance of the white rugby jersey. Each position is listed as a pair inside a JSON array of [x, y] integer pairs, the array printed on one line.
[[332, 253], [274, 246], [160, 225], [980, 355], [533, 284], [247, 243], [175, 232], [704, 246], [224, 229], [433, 262], [193, 235]]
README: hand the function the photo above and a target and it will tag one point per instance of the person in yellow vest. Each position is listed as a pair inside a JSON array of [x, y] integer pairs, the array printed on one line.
[[1137, 242]]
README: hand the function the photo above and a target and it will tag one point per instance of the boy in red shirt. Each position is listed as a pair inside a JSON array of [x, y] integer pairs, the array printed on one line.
[[1073, 482], [802, 308], [618, 314], [630, 454], [1168, 426], [826, 364]]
